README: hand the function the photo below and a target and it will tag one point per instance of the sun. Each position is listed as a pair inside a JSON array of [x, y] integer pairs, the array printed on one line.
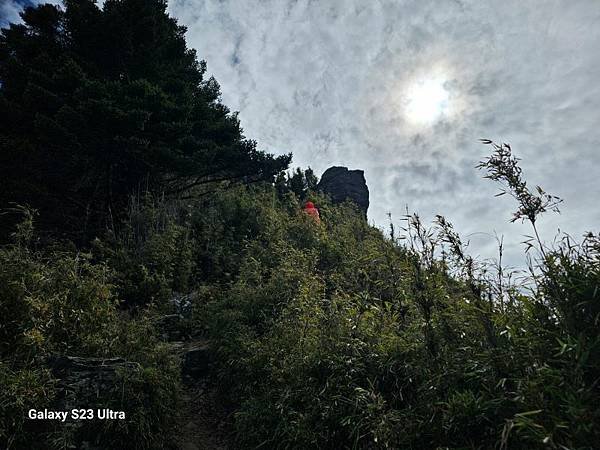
[[427, 100]]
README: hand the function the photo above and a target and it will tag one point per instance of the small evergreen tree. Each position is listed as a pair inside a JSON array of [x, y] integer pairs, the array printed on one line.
[[300, 182]]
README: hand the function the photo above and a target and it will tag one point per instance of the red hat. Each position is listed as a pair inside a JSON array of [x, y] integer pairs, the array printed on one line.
[[309, 205]]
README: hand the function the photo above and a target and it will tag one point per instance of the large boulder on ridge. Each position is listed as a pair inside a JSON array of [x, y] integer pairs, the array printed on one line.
[[342, 184]]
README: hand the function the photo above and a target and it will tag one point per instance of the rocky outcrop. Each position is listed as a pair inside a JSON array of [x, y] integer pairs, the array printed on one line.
[[342, 184], [74, 369], [196, 360], [83, 381], [170, 327], [195, 357]]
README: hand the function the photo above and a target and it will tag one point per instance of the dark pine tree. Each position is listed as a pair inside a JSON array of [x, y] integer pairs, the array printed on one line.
[[300, 182], [96, 104]]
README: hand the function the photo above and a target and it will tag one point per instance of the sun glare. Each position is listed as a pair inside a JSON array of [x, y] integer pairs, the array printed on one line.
[[427, 100]]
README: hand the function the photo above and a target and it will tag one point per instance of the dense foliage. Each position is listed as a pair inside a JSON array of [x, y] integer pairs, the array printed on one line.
[[326, 335], [96, 104], [59, 301], [335, 336]]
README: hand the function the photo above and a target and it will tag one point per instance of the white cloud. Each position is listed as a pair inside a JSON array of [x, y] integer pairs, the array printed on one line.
[[325, 80], [9, 12], [10, 9]]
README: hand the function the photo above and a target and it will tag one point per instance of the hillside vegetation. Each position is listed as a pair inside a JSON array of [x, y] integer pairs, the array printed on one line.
[[131, 186]]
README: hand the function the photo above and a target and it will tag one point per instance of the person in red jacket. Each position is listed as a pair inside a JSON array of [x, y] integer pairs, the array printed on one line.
[[310, 209]]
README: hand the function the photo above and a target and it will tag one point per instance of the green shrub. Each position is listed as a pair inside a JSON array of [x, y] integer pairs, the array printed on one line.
[[22, 389], [56, 302]]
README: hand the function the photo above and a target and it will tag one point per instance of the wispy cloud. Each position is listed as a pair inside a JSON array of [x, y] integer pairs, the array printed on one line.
[[10, 9], [327, 81]]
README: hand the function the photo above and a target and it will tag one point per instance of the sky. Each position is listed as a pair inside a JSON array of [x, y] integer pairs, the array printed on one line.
[[9, 10], [405, 89]]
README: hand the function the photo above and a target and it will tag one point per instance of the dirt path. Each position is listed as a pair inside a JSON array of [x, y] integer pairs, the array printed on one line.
[[201, 418]]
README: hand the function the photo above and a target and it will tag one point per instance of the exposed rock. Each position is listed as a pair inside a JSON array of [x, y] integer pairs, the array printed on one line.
[[183, 303], [342, 184], [196, 361], [83, 380], [170, 327], [65, 367]]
